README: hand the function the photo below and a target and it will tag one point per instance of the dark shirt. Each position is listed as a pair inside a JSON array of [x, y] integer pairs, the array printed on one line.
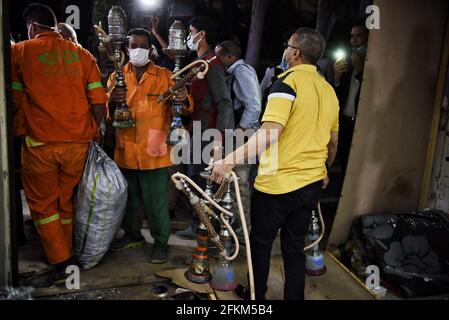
[[213, 106]]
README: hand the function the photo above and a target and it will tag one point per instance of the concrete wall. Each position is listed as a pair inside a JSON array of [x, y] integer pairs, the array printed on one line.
[[387, 160]]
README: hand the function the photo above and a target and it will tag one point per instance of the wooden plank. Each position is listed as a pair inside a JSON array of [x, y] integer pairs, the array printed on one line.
[[430, 159], [386, 164], [98, 284], [336, 284]]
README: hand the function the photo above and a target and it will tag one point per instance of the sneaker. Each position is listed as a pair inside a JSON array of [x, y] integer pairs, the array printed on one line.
[[186, 234], [159, 255], [126, 243]]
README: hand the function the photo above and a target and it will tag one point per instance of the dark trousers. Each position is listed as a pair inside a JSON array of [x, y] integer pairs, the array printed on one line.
[[290, 212]]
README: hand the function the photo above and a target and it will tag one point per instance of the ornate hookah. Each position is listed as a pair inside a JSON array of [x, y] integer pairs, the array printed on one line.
[[314, 256], [199, 270], [204, 205], [111, 45], [177, 50], [223, 278]]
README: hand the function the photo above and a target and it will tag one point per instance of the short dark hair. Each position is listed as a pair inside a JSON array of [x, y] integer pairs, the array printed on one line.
[[360, 23], [140, 32], [311, 43], [204, 23], [40, 13], [231, 47]]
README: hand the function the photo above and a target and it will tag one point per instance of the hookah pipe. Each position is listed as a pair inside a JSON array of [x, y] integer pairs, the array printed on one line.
[[204, 212], [323, 228], [182, 183]]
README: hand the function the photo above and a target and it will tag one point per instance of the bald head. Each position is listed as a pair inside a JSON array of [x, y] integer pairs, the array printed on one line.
[[67, 32]]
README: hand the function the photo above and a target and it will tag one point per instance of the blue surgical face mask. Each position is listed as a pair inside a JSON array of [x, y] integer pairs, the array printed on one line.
[[284, 64], [361, 50]]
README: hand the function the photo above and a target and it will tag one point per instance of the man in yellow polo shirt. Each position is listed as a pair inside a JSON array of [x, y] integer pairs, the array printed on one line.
[[298, 140]]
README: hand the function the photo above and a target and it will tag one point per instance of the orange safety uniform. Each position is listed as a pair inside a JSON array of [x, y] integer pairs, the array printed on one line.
[[54, 84], [144, 147]]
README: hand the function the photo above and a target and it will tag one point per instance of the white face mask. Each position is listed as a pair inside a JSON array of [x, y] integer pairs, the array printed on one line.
[[139, 56], [193, 46]]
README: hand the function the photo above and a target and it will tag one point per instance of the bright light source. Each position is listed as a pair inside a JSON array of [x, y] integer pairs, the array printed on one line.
[[340, 54], [149, 3]]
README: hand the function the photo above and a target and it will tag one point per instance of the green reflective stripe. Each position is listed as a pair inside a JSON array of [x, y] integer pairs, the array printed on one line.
[[94, 85], [52, 218], [66, 221], [91, 212], [17, 86]]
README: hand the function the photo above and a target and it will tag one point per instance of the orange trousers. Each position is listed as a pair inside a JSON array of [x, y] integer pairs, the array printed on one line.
[[50, 173]]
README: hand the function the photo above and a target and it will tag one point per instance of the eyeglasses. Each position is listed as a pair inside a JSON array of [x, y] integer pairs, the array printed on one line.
[[286, 45]]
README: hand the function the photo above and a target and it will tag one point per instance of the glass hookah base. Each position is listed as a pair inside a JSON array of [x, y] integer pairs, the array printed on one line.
[[123, 124], [177, 136], [203, 278], [316, 273], [223, 279]]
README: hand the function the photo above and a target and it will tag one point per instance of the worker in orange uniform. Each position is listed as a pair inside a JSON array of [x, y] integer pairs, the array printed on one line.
[[59, 103], [142, 152]]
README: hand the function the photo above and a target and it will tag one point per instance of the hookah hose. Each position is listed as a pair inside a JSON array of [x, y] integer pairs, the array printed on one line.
[[179, 179]]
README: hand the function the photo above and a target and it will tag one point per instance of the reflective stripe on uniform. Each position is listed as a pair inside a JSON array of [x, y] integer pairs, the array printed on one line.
[[66, 221], [17, 86], [94, 85], [31, 143], [47, 220]]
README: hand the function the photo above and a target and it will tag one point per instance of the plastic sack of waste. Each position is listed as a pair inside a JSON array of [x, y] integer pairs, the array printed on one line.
[[99, 207]]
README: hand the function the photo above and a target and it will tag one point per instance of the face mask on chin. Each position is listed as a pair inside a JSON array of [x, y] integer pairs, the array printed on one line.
[[139, 57], [361, 51]]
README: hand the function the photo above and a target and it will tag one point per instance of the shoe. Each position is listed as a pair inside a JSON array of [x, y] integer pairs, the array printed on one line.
[[186, 234], [242, 292], [159, 255], [126, 243], [59, 275]]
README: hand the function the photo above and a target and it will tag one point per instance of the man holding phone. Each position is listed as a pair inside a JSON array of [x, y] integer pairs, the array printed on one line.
[[348, 74]]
